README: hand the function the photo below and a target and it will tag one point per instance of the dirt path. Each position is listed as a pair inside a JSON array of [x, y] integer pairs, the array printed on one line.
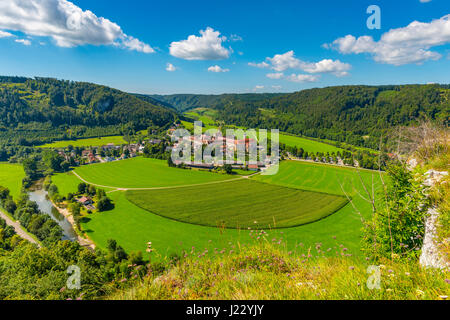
[[160, 188], [18, 228]]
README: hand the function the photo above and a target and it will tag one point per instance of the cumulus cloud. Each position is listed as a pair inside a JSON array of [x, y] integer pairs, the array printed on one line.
[[336, 67], [206, 47], [281, 62], [277, 75], [425, 1], [410, 44], [170, 67], [217, 68], [25, 42], [67, 24], [302, 78], [285, 61], [4, 34]]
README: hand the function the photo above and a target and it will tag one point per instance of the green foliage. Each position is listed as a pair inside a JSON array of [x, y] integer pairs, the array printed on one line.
[[357, 115], [183, 102], [397, 228], [46, 109]]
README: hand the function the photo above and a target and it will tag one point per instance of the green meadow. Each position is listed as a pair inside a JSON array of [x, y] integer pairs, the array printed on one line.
[[89, 142], [11, 176], [133, 226], [144, 173], [239, 204]]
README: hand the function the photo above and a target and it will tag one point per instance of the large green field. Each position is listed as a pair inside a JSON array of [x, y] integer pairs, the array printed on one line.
[[144, 173], [239, 204], [11, 176], [307, 144], [133, 227], [89, 142]]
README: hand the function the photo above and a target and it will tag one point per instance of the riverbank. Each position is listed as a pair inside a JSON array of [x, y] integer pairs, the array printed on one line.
[[84, 242]]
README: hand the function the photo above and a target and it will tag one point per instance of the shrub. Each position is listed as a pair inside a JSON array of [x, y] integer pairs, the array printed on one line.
[[398, 226]]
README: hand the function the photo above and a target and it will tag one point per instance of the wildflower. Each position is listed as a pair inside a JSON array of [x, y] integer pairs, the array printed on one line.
[[447, 280], [352, 268], [407, 274], [419, 292], [390, 270], [388, 290], [443, 297]]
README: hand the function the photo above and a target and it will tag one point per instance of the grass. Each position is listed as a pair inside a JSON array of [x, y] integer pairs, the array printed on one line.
[[133, 227], [239, 204], [89, 142], [11, 176], [307, 144], [67, 182], [264, 271], [144, 173]]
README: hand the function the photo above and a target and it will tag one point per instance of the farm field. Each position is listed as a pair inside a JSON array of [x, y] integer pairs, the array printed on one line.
[[307, 144], [89, 142], [11, 176], [144, 173], [239, 204], [133, 227]]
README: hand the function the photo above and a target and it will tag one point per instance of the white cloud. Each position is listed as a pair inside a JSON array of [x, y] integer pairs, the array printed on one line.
[[25, 42], [277, 75], [4, 34], [67, 24], [259, 65], [285, 61], [170, 67], [277, 87], [206, 47], [336, 67], [281, 62], [410, 44], [302, 78], [235, 37], [425, 1], [217, 68]]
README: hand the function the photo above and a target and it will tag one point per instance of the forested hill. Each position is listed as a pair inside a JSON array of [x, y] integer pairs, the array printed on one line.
[[44, 108], [358, 115], [184, 102]]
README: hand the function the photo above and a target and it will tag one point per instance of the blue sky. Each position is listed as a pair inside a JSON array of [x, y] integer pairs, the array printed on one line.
[[269, 46]]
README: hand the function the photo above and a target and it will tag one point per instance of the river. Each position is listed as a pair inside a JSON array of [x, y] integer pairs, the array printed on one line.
[[40, 196]]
